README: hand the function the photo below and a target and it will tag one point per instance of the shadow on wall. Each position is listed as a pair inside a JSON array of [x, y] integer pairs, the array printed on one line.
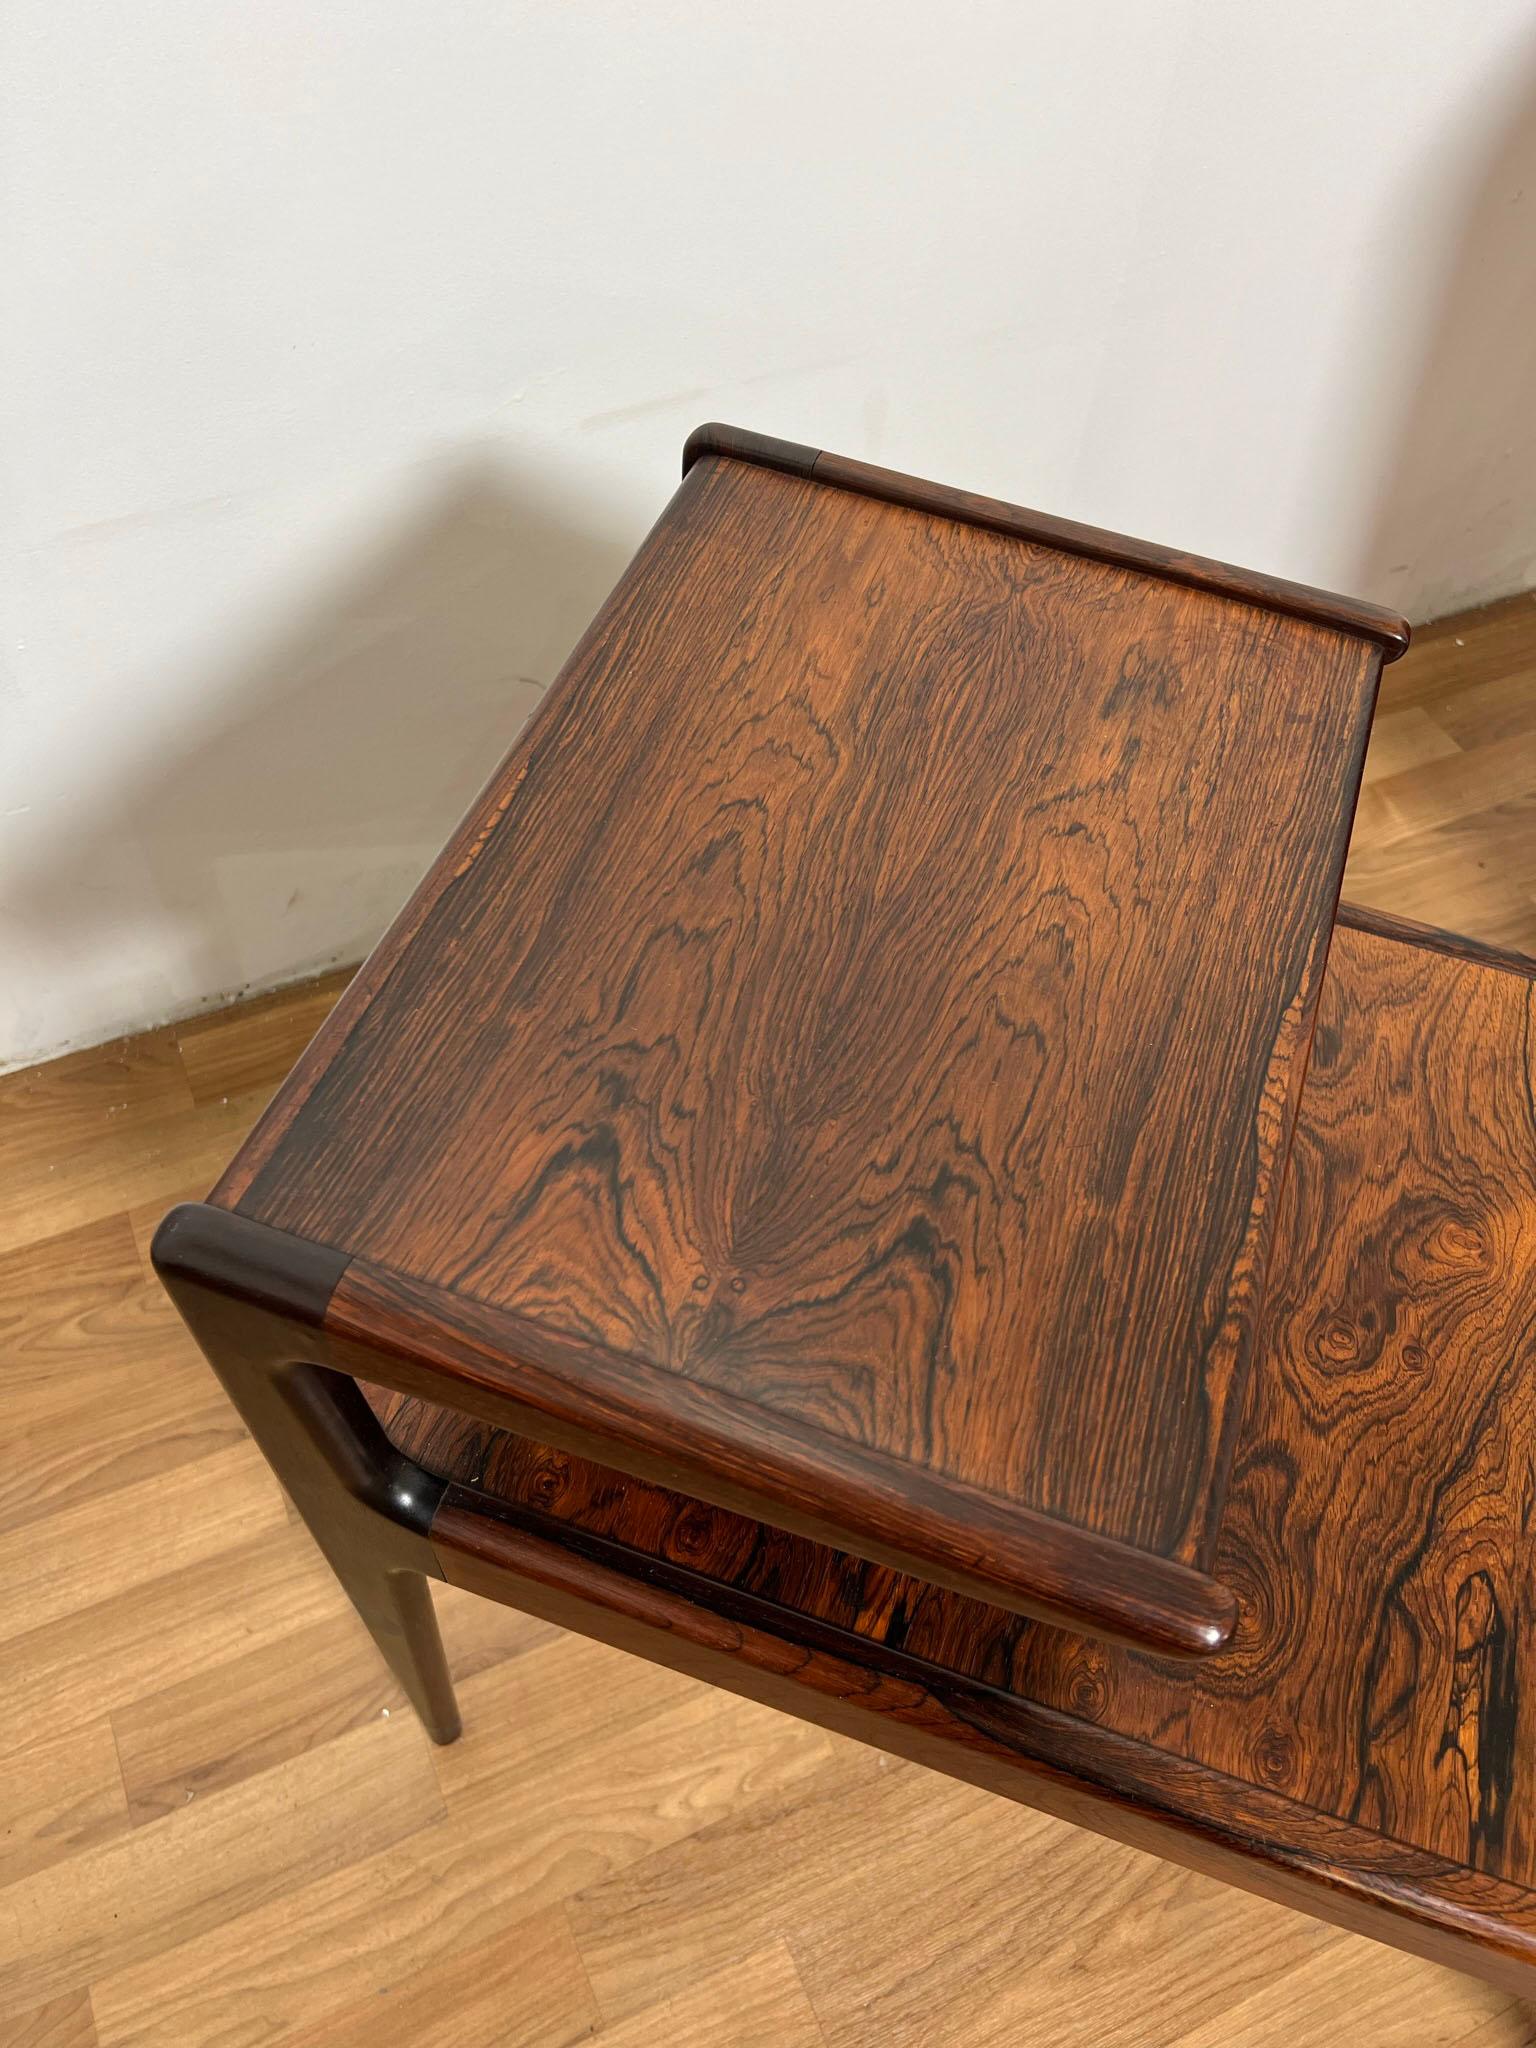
[[282, 832], [1456, 519], [279, 830]]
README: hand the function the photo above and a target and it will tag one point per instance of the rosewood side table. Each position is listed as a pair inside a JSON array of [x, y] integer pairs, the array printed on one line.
[[873, 1170]]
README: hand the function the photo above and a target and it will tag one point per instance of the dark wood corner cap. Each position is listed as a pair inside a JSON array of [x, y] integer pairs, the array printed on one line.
[[201, 1246], [1269, 593]]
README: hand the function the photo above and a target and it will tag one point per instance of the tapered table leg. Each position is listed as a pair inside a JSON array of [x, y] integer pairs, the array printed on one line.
[[254, 1298]]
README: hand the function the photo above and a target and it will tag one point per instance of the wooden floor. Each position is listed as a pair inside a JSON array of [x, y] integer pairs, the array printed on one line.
[[221, 1826], [1446, 829]]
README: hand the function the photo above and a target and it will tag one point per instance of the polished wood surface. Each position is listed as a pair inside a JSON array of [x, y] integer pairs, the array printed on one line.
[[610, 1845], [1068, 536], [1380, 1519], [796, 1079], [953, 1278], [513, 1371]]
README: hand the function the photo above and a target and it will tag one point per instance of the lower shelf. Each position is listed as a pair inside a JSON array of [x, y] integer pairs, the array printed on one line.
[[1079, 1771]]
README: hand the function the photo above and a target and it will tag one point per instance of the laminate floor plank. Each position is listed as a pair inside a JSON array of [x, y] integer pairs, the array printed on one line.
[[207, 1863], [1391, 1999], [101, 1385], [62, 1795], [215, 1729], [62, 2023], [1446, 827], [1046, 1933], [523, 1988], [562, 1809], [105, 1547], [252, 1045], [747, 2003], [192, 1621]]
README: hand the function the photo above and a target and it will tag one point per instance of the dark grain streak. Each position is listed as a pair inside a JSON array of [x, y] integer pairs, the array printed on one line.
[[1381, 1510]]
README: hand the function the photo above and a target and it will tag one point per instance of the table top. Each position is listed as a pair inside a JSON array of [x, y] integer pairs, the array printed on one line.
[[844, 1064]]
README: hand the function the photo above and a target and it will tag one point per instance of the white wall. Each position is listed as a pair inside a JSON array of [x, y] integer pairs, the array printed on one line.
[[349, 350]]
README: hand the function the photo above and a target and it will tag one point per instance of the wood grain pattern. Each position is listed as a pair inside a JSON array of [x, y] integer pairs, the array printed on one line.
[[131, 1897], [230, 1052], [1095, 1777], [143, 1407], [972, 1919], [69, 1798], [760, 1998], [1434, 938], [819, 1016], [1391, 1432], [1296, 600], [1361, 1761], [1380, 1519], [511, 1370], [586, 1793], [62, 2023], [190, 1739], [523, 1988]]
